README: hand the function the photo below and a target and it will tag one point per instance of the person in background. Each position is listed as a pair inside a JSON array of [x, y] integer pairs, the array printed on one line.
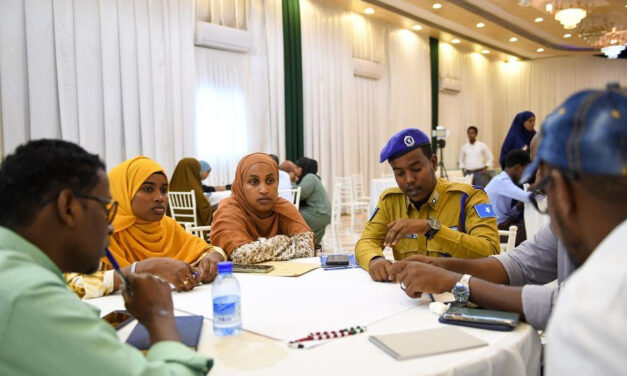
[[144, 239], [186, 177], [315, 205], [205, 170], [55, 215], [519, 135], [475, 158], [285, 181], [424, 215], [507, 197], [582, 160], [254, 224], [289, 167]]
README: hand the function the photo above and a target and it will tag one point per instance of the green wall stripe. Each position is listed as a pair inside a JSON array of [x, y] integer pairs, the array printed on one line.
[[293, 76]]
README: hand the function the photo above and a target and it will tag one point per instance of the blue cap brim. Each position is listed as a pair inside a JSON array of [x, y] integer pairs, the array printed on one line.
[[530, 171]]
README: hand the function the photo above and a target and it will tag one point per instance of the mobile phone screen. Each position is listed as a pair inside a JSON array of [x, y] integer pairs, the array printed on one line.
[[118, 319]]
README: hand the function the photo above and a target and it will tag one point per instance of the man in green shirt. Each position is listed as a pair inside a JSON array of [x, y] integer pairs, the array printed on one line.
[[55, 217]]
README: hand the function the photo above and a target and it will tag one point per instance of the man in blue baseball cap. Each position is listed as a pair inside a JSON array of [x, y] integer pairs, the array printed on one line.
[[424, 215], [582, 162]]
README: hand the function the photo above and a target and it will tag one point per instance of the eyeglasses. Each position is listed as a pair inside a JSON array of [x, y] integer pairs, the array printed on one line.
[[110, 205], [539, 191]]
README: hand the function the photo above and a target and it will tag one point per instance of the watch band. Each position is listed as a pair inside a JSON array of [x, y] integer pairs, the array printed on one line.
[[134, 266]]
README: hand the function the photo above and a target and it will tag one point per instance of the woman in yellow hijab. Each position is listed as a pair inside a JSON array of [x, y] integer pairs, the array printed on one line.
[[144, 239]]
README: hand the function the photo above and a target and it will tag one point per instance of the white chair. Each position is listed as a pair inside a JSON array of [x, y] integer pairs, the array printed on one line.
[[200, 231], [388, 176], [359, 192], [336, 215], [347, 198], [511, 238], [183, 207], [295, 192]]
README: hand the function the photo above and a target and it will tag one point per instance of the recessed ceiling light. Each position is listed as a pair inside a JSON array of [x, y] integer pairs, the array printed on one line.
[[540, 49], [369, 11], [485, 52], [567, 35], [511, 59], [480, 25], [539, 19], [455, 41], [436, 6], [417, 27], [513, 39]]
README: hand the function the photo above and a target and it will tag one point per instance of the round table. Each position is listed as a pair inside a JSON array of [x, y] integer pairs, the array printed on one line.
[[376, 187]]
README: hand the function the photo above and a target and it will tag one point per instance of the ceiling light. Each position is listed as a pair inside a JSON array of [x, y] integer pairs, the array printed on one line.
[[513, 39], [549, 8], [456, 41], [612, 52], [539, 19], [480, 25], [567, 35], [512, 59], [436, 6], [570, 17], [540, 49], [485, 52], [369, 11], [417, 27]]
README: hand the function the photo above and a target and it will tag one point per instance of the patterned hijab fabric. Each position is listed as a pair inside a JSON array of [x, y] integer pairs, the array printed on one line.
[[186, 176], [134, 239], [235, 221]]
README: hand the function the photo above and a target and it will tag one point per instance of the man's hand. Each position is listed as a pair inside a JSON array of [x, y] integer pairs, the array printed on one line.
[[178, 273], [378, 269], [220, 188], [417, 277], [150, 301], [437, 261], [402, 227], [208, 266]]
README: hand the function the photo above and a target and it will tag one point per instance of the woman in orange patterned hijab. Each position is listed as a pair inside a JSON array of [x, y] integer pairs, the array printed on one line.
[[251, 219], [144, 235]]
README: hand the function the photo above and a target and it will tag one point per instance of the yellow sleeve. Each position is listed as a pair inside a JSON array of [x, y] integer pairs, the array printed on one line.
[[370, 244], [481, 238], [92, 285]]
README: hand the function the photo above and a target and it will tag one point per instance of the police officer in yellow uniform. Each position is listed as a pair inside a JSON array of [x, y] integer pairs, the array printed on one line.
[[424, 215]]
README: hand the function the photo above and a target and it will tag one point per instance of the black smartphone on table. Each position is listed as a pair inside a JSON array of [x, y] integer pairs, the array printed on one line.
[[118, 319], [252, 268], [337, 260]]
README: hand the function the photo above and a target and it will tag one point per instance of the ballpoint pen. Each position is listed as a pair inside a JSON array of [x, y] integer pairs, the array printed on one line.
[[322, 336], [116, 267]]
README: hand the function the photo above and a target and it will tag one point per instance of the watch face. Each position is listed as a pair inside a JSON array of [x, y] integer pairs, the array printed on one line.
[[461, 292]]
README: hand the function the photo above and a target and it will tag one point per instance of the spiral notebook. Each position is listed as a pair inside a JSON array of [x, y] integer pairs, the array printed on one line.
[[189, 328]]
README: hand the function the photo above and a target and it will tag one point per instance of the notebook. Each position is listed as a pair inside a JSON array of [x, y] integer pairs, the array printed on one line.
[[189, 328], [409, 345]]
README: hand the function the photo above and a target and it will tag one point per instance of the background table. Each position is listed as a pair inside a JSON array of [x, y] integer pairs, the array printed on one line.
[[376, 187], [217, 196], [279, 312]]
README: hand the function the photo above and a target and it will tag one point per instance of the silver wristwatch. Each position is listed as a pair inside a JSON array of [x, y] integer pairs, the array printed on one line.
[[461, 291]]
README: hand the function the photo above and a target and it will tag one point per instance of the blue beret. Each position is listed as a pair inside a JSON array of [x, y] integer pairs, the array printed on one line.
[[586, 134], [403, 142]]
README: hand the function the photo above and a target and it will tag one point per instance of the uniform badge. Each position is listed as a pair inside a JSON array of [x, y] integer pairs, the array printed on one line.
[[409, 141], [485, 211], [374, 212]]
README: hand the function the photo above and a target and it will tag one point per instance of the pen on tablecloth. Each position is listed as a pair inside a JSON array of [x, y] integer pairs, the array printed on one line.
[[319, 336], [116, 267]]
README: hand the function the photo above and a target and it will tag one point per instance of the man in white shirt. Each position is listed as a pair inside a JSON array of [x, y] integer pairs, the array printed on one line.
[[475, 158], [285, 181], [583, 163]]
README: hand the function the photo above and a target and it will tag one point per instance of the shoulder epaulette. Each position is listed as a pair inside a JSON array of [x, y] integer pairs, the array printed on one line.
[[390, 192]]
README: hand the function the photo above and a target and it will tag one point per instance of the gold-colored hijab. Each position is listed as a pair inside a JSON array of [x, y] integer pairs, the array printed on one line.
[[135, 240], [186, 176]]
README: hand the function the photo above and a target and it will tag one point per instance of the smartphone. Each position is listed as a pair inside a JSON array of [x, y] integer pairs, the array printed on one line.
[[338, 260], [252, 268], [481, 318], [118, 319]]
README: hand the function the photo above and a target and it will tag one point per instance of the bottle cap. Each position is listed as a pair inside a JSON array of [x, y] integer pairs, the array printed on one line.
[[225, 267]]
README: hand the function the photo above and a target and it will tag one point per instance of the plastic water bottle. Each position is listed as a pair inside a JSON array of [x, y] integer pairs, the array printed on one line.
[[227, 315]]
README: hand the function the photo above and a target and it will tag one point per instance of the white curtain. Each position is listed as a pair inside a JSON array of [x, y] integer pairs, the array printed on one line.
[[348, 119], [113, 76], [231, 13], [240, 96]]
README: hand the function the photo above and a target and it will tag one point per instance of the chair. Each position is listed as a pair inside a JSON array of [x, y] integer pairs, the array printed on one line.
[[295, 192], [182, 206], [336, 214], [347, 198], [511, 238], [359, 192], [200, 231]]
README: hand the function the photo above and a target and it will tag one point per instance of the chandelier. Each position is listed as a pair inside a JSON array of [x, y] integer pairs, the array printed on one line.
[[606, 32], [568, 12]]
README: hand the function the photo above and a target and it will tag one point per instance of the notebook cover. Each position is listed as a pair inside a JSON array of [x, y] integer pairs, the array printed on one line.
[[189, 328], [409, 345]]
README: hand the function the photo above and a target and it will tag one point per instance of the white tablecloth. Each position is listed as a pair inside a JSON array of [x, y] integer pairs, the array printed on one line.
[[376, 187], [284, 307], [217, 196]]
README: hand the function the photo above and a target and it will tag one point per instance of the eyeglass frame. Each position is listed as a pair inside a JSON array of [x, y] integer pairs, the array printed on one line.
[[111, 211], [538, 190]]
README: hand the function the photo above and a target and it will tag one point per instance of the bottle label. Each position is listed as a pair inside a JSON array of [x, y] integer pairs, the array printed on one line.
[[226, 310]]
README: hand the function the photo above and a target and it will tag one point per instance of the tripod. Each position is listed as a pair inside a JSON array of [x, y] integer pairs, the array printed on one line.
[[443, 173]]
